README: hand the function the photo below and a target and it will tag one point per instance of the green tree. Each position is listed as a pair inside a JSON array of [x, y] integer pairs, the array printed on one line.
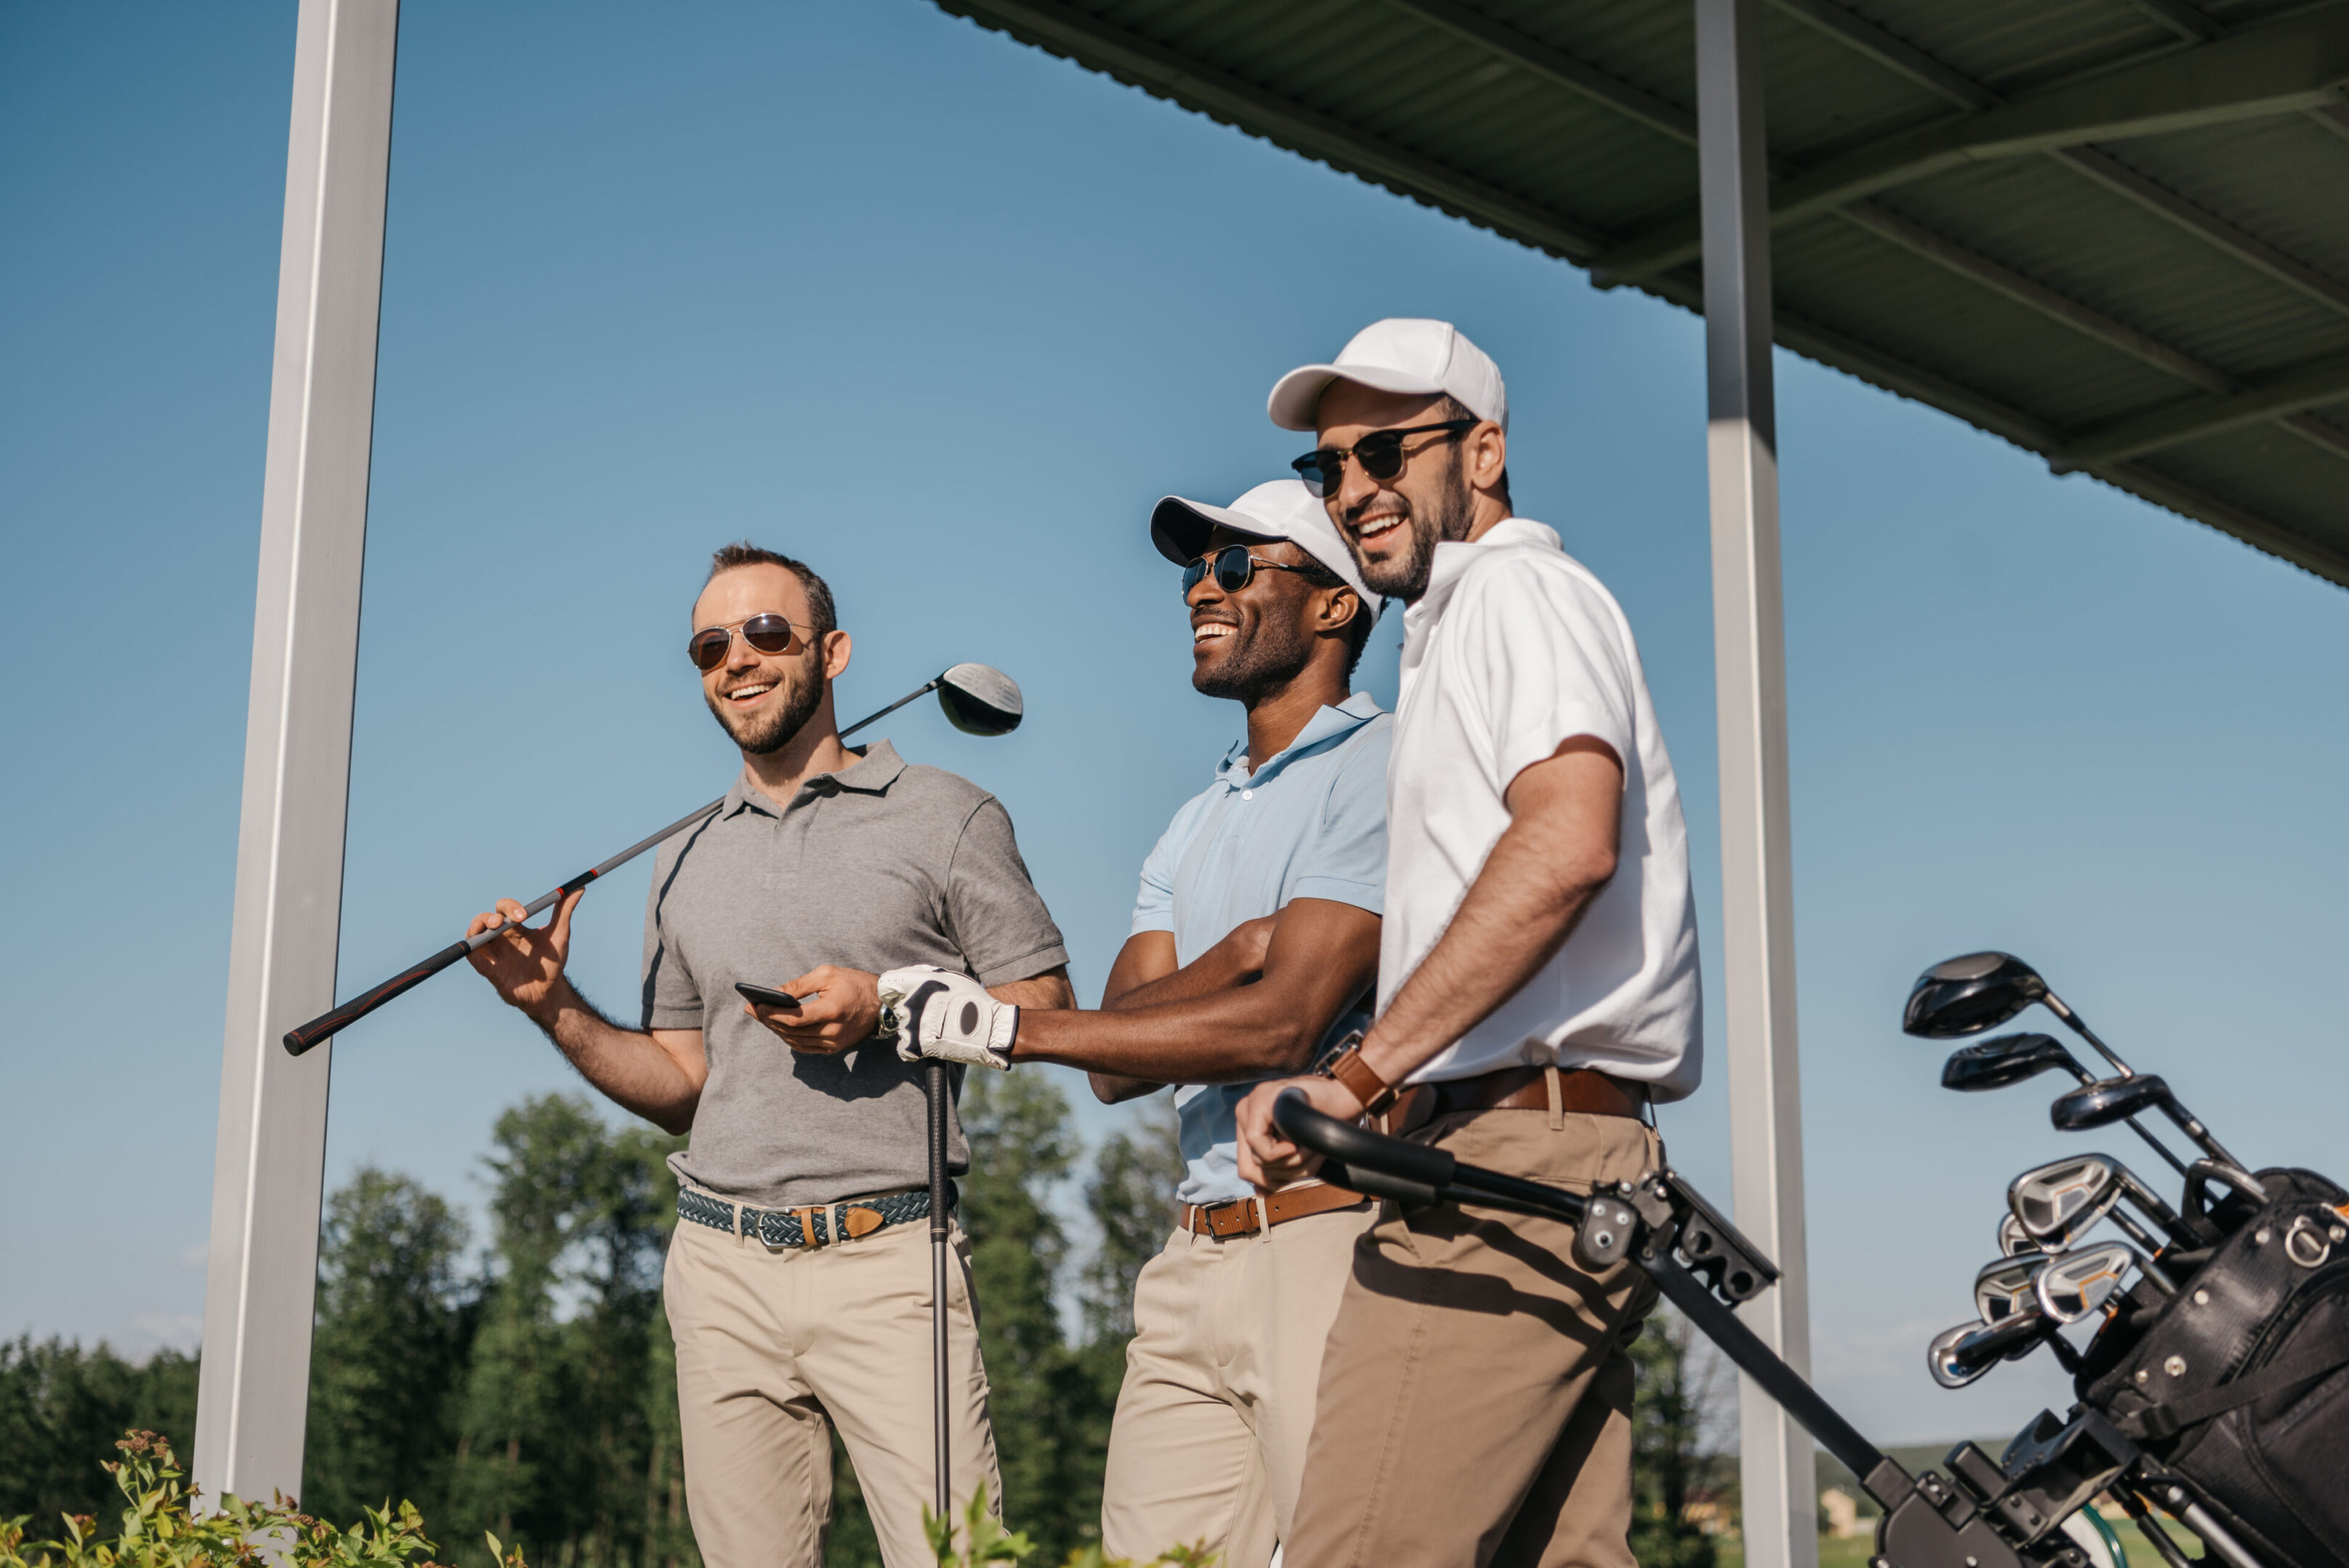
[[62, 1409], [1677, 1410], [394, 1330]]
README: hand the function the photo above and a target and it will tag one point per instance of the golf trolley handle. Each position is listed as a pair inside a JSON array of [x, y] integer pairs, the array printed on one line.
[[1651, 1228]]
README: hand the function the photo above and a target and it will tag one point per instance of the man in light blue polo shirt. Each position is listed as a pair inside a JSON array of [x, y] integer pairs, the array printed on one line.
[[1254, 948]]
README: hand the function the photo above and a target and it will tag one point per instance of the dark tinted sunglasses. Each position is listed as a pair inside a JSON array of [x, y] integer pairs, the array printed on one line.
[[1379, 453], [764, 633], [1233, 566]]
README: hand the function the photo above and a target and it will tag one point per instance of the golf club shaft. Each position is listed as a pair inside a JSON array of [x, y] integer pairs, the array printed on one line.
[[2158, 1146], [335, 1020], [935, 1087]]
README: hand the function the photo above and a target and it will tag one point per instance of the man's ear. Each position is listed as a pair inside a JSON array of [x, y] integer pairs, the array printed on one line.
[[1488, 455], [1338, 612], [836, 649]]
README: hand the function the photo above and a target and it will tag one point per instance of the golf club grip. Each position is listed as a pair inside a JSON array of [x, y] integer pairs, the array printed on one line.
[[327, 1025]]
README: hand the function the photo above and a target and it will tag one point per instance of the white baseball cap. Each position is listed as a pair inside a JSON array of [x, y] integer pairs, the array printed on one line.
[[1400, 354], [1284, 509]]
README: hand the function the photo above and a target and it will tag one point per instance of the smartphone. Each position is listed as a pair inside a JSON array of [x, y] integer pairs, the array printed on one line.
[[767, 996]]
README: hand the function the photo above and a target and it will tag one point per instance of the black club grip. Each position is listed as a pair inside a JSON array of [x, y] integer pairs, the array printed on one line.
[[327, 1025]]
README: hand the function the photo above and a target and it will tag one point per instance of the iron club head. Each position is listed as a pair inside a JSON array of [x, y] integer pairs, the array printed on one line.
[[2008, 1059], [2075, 1285], [980, 699], [1968, 994], [2013, 1241], [2057, 1204]]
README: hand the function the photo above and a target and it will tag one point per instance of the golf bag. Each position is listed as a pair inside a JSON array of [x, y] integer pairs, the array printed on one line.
[[2236, 1388]]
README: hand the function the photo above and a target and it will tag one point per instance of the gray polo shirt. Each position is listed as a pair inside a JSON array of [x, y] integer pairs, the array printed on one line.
[[875, 867]]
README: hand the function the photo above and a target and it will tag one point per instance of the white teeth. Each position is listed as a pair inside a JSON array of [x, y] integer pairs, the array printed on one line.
[[741, 692], [1206, 629]]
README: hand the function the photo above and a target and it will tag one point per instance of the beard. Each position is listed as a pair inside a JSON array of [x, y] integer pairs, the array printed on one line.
[[1262, 662], [1447, 518], [762, 736]]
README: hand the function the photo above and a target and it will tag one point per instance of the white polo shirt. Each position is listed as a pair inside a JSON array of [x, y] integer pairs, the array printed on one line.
[[1515, 648]]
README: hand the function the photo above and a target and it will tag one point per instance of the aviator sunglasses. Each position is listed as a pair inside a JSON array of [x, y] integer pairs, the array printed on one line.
[[765, 634], [1379, 454], [1233, 566]]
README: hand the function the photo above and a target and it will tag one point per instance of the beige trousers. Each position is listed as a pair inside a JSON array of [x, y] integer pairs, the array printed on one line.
[[775, 1348], [1476, 1398], [1209, 1439]]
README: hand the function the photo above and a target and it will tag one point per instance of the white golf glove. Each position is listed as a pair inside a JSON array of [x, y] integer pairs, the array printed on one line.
[[948, 1016]]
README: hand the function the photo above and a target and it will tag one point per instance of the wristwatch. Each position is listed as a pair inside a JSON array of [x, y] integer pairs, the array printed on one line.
[[1362, 1080]]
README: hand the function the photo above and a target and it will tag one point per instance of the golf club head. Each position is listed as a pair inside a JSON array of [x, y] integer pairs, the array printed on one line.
[[2003, 1287], [1968, 994], [2054, 1203], [2008, 1059], [2013, 1241], [2076, 1285], [1949, 1369], [980, 699], [2107, 1100]]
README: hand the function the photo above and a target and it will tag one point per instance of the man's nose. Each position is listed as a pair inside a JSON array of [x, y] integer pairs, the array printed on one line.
[[1206, 591], [740, 656], [1355, 486]]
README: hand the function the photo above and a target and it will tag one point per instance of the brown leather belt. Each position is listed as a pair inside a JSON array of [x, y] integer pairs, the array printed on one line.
[[1584, 1090], [1246, 1216]]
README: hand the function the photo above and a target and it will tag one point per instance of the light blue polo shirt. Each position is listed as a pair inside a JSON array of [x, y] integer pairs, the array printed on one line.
[[1311, 823]]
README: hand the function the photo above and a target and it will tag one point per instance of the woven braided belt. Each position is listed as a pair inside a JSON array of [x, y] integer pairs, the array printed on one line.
[[816, 1225]]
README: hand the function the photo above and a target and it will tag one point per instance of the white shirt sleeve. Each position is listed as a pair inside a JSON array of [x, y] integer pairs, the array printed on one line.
[[1550, 661]]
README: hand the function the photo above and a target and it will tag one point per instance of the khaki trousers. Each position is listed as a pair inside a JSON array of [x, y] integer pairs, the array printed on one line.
[[776, 1348], [1476, 1398], [1212, 1422]]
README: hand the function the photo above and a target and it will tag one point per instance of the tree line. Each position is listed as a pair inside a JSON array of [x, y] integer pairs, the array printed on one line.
[[527, 1387]]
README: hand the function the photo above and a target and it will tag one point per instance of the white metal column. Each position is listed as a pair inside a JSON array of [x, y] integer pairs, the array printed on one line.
[[269, 1158], [1777, 1470]]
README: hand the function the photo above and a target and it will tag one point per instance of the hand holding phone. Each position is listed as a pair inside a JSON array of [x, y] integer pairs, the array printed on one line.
[[767, 996]]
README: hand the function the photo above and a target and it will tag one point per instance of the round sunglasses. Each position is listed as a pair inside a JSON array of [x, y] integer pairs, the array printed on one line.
[[1233, 566], [1379, 453], [765, 633]]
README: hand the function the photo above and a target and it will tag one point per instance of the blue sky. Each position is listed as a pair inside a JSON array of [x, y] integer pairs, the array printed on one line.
[[946, 316]]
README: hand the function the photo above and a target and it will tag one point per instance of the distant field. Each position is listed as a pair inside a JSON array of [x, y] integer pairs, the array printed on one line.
[[1852, 1551]]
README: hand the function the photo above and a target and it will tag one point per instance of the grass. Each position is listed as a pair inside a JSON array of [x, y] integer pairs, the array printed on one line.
[[1852, 1551]]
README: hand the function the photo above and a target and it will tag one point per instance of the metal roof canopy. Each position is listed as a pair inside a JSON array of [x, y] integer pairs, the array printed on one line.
[[2115, 232]]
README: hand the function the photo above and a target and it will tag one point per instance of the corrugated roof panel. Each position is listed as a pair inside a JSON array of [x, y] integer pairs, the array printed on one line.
[[2043, 297]]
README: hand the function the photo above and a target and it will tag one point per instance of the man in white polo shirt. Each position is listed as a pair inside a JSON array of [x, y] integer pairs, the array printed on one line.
[[1537, 989]]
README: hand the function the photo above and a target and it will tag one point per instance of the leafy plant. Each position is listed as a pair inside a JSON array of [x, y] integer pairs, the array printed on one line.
[[983, 1541]]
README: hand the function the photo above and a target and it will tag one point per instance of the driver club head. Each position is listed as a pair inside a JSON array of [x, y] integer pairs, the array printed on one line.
[[2056, 1202], [2008, 1059], [2104, 1101], [1968, 994], [2076, 1285], [980, 699]]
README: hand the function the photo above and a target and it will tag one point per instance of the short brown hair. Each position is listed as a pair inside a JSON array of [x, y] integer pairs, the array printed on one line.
[[1451, 408], [742, 552]]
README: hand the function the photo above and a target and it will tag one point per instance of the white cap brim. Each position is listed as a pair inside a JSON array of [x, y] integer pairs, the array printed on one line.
[[1297, 395], [1180, 528]]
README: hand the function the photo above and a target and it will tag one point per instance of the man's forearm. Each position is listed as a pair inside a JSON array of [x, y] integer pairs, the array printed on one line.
[[626, 1066], [1228, 1039]]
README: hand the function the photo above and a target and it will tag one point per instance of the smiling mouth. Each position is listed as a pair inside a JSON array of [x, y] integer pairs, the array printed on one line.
[[1208, 631], [743, 696], [1377, 527]]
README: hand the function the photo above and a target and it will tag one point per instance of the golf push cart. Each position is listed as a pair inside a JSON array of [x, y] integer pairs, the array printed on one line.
[[2215, 1385]]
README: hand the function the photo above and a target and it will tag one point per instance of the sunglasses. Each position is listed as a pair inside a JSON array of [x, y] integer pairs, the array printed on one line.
[[765, 634], [1233, 566], [1379, 454]]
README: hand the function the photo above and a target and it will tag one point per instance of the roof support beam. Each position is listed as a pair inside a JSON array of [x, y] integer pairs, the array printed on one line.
[[1895, 53], [1555, 65], [2296, 64], [2291, 392], [1156, 68]]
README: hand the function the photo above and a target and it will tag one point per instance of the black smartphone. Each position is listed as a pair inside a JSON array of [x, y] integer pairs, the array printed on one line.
[[767, 996]]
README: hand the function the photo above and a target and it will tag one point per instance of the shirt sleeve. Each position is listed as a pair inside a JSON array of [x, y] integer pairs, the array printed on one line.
[[1154, 905], [1348, 864], [1551, 665], [672, 999], [993, 911]]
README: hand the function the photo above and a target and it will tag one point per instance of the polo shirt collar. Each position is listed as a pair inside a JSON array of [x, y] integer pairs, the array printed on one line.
[[871, 773], [1328, 722], [1454, 557]]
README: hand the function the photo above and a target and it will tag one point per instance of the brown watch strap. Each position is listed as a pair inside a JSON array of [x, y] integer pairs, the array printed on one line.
[[1363, 1081]]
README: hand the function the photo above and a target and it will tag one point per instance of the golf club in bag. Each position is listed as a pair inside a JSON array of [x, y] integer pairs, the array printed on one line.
[[978, 701]]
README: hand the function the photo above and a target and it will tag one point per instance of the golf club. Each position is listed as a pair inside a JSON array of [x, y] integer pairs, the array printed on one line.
[[2107, 1100], [2003, 1289], [977, 700], [1975, 991], [2012, 1058], [2076, 1285], [1958, 1356], [2059, 1202], [2013, 1241]]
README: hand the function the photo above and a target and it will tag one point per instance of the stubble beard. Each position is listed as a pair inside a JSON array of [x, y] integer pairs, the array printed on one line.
[[1265, 663], [1453, 513], [779, 728]]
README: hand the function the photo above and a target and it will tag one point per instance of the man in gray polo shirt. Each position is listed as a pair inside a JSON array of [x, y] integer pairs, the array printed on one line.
[[799, 1289]]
